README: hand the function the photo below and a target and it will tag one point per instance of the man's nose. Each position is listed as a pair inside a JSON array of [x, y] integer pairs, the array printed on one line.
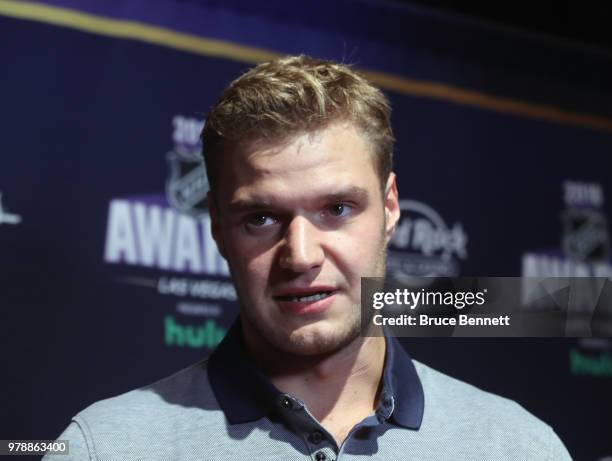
[[302, 249]]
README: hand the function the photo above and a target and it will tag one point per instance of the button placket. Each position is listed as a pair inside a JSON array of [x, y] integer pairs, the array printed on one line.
[[320, 445]]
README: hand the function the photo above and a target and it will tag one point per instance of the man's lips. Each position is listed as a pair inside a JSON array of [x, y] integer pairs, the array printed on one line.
[[303, 301], [305, 293]]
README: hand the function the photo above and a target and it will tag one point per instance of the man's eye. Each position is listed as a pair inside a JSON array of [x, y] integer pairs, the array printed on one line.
[[338, 209], [260, 220]]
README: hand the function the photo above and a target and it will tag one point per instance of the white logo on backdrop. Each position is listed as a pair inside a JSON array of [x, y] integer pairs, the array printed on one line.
[[187, 185], [424, 245]]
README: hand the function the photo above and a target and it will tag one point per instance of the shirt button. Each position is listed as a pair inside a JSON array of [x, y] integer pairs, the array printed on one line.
[[286, 402], [320, 456], [316, 437]]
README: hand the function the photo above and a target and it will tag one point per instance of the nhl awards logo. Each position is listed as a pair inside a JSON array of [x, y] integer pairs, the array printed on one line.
[[162, 243], [187, 184], [424, 245], [585, 241]]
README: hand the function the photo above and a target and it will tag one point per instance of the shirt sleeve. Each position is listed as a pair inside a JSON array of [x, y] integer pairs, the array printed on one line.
[[78, 448]]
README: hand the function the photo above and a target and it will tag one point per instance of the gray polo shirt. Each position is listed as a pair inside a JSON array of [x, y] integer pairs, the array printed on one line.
[[224, 408]]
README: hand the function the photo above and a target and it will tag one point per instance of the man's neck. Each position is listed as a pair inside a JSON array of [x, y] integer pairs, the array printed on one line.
[[339, 389]]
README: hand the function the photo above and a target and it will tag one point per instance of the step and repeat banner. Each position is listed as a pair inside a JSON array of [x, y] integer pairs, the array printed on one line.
[[109, 276]]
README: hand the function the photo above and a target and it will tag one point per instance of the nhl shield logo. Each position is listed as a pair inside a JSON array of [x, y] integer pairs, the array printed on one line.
[[585, 235], [187, 185]]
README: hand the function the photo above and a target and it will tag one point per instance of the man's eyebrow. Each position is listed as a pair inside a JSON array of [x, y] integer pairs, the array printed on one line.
[[352, 192], [245, 205]]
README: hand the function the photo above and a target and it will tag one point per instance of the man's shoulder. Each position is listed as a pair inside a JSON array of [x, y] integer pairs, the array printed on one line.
[[183, 402], [445, 393], [457, 410], [151, 422], [170, 397]]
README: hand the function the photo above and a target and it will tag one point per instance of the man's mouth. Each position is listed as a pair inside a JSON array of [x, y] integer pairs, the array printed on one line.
[[311, 297]]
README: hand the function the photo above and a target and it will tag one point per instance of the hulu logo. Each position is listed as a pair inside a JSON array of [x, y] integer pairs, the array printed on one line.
[[594, 365], [206, 335]]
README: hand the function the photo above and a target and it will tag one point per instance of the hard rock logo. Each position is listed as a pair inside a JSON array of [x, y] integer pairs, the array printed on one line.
[[423, 245]]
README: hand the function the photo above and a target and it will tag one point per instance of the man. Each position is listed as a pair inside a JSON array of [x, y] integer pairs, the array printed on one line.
[[303, 202]]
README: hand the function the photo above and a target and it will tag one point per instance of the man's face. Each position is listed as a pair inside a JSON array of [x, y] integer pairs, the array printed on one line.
[[300, 223]]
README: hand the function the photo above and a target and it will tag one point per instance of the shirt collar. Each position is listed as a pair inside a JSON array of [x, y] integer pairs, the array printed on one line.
[[246, 394], [242, 390], [401, 381]]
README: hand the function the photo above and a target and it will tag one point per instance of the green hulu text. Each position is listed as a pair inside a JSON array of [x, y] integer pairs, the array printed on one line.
[[208, 334], [594, 365]]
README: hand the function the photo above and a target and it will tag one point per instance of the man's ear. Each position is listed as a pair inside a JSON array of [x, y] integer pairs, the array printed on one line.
[[392, 209], [215, 225]]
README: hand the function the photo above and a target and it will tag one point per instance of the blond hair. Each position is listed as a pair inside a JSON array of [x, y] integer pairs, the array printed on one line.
[[292, 95]]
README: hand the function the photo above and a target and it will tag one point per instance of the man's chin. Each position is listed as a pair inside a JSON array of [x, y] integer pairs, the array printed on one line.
[[299, 337], [317, 339]]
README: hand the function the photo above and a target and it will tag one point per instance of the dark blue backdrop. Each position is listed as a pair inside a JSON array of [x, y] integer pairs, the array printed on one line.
[[105, 286]]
